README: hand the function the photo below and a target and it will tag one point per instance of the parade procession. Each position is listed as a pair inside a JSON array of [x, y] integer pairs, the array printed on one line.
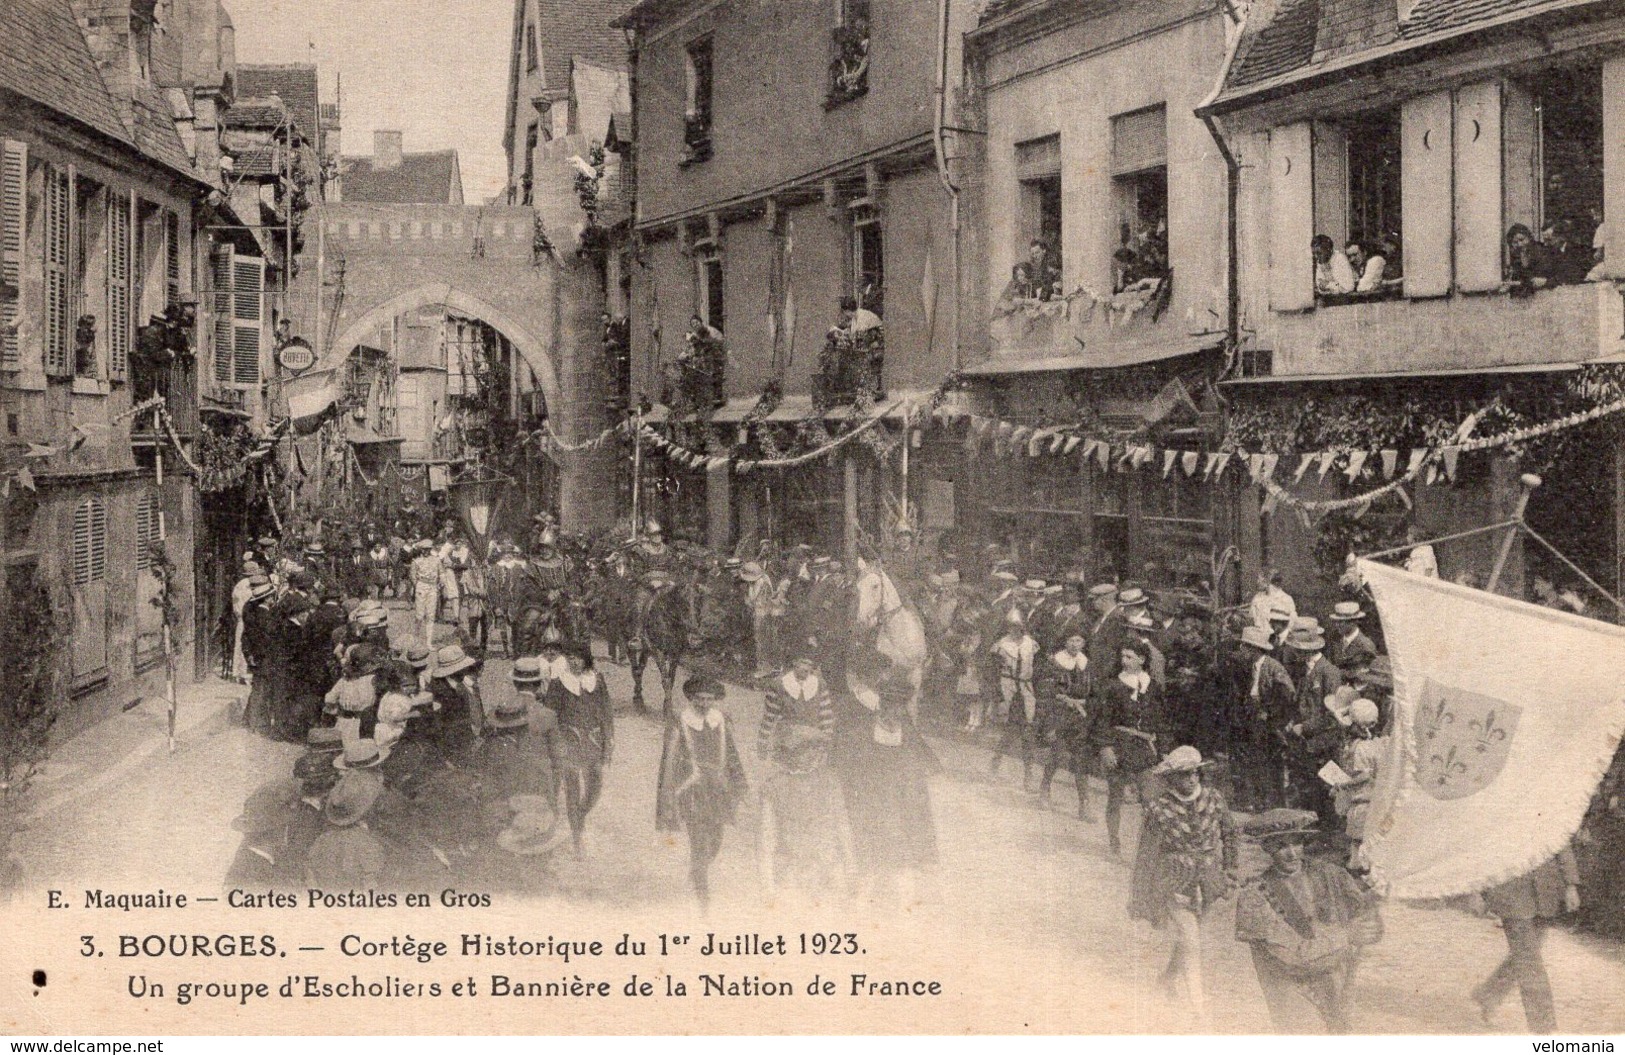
[[1248, 648]]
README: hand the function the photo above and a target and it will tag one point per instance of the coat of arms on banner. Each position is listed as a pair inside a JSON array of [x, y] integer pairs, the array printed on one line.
[[1462, 739]]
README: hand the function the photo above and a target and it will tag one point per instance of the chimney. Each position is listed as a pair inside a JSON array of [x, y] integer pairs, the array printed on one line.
[[386, 151]]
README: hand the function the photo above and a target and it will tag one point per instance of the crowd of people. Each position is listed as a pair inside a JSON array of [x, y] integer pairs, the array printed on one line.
[[1258, 719]]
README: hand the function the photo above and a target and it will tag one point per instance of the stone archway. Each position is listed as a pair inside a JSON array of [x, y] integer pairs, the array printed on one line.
[[532, 350]]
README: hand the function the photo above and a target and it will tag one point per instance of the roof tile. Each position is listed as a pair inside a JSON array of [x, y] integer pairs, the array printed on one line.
[[421, 178], [568, 28], [44, 57], [294, 83]]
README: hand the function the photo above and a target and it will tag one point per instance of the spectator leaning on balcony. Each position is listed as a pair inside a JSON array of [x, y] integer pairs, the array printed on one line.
[[1044, 276], [1334, 275], [1570, 260], [1529, 263], [1368, 264]]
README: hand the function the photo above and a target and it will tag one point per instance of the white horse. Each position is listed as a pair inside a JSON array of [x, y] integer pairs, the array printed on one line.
[[899, 633]]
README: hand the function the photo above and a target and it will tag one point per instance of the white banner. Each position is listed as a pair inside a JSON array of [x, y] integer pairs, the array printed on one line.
[[1506, 716]]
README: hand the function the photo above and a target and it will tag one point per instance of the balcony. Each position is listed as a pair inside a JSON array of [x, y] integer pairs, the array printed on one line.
[[694, 384], [851, 366], [1461, 332], [1085, 330]]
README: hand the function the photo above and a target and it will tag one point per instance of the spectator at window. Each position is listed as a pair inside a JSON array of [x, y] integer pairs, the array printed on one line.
[[1046, 278], [1389, 245], [1529, 263], [1368, 264], [1019, 288], [1599, 245], [1569, 259], [856, 320], [1334, 276]]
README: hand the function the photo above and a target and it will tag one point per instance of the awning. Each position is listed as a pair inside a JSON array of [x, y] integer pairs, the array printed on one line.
[[1114, 356], [1399, 375]]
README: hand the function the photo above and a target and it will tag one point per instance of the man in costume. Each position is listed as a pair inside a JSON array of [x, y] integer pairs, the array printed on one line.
[[1307, 920]]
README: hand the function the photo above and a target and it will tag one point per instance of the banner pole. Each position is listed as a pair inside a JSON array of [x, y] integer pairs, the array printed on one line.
[[1529, 482]]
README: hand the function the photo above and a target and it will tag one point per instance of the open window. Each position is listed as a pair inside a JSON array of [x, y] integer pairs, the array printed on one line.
[[1037, 272], [89, 276], [1140, 191], [849, 59], [1553, 161], [1358, 202], [868, 261], [527, 181], [697, 109]]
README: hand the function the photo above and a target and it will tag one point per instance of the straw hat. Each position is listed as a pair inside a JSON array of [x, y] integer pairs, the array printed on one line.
[[1101, 591], [1363, 712], [451, 659], [1277, 825], [1306, 639], [509, 714], [533, 831], [1347, 612], [1257, 637], [526, 670], [361, 754], [1181, 760], [352, 798], [1132, 597]]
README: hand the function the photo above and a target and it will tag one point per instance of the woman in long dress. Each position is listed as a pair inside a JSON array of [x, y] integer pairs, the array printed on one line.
[[584, 741], [799, 823], [883, 765]]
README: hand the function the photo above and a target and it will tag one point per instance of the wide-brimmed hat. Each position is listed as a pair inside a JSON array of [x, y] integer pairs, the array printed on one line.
[[1005, 575], [352, 798], [1279, 824], [315, 549], [265, 542], [1364, 712], [361, 754], [1306, 639], [417, 657], [702, 686], [658, 578], [1380, 673], [1053, 591], [252, 568], [266, 807], [1103, 590], [259, 586], [1280, 612], [527, 669], [1181, 760], [534, 829], [751, 571], [325, 738], [1346, 612], [451, 659], [1034, 585], [375, 620], [1132, 597], [509, 714], [314, 771]]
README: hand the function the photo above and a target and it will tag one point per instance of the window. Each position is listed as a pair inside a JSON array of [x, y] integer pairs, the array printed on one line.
[[90, 271], [697, 113], [57, 214], [146, 530], [849, 61], [527, 182], [1374, 176], [1140, 190], [13, 244], [531, 61], [868, 261], [1038, 169], [239, 295], [1553, 166], [120, 283], [709, 274], [89, 542], [172, 259]]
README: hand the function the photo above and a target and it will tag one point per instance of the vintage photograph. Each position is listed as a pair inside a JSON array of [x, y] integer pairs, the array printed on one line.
[[812, 516]]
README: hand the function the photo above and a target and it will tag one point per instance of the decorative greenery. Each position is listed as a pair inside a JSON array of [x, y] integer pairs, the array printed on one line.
[[35, 634], [848, 365], [222, 454], [587, 186]]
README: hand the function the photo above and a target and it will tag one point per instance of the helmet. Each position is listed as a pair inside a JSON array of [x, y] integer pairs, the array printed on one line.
[[652, 527]]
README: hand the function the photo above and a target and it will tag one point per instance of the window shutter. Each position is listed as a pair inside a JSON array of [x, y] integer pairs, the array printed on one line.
[[58, 193], [89, 542], [1292, 216], [220, 266], [13, 243], [119, 230], [1332, 182], [1139, 140], [172, 259], [1613, 162], [146, 530], [1426, 194], [247, 307], [1038, 158], [1479, 195]]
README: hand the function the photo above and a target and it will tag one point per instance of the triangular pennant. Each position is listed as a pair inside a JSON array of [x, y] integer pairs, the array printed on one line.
[[1303, 467], [1270, 501], [1188, 461], [1103, 453], [1270, 462], [1142, 455], [39, 450], [1416, 461], [1361, 510], [1357, 460], [1071, 443], [1056, 441], [1168, 462], [25, 478], [1304, 518], [1222, 464], [1037, 441], [1207, 466], [1390, 462], [1452, 456], [1325, 459], [1255, 467], [1006, 430]]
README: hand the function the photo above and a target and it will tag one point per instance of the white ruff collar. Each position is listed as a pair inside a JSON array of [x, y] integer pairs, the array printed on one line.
[[867, 696], [711, 719], [1067, 661], [575, 685], [801, 690]]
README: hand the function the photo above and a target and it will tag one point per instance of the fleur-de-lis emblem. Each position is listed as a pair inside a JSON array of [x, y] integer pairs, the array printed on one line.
[[1488, 731], [1447, 767], [1436, 716]]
